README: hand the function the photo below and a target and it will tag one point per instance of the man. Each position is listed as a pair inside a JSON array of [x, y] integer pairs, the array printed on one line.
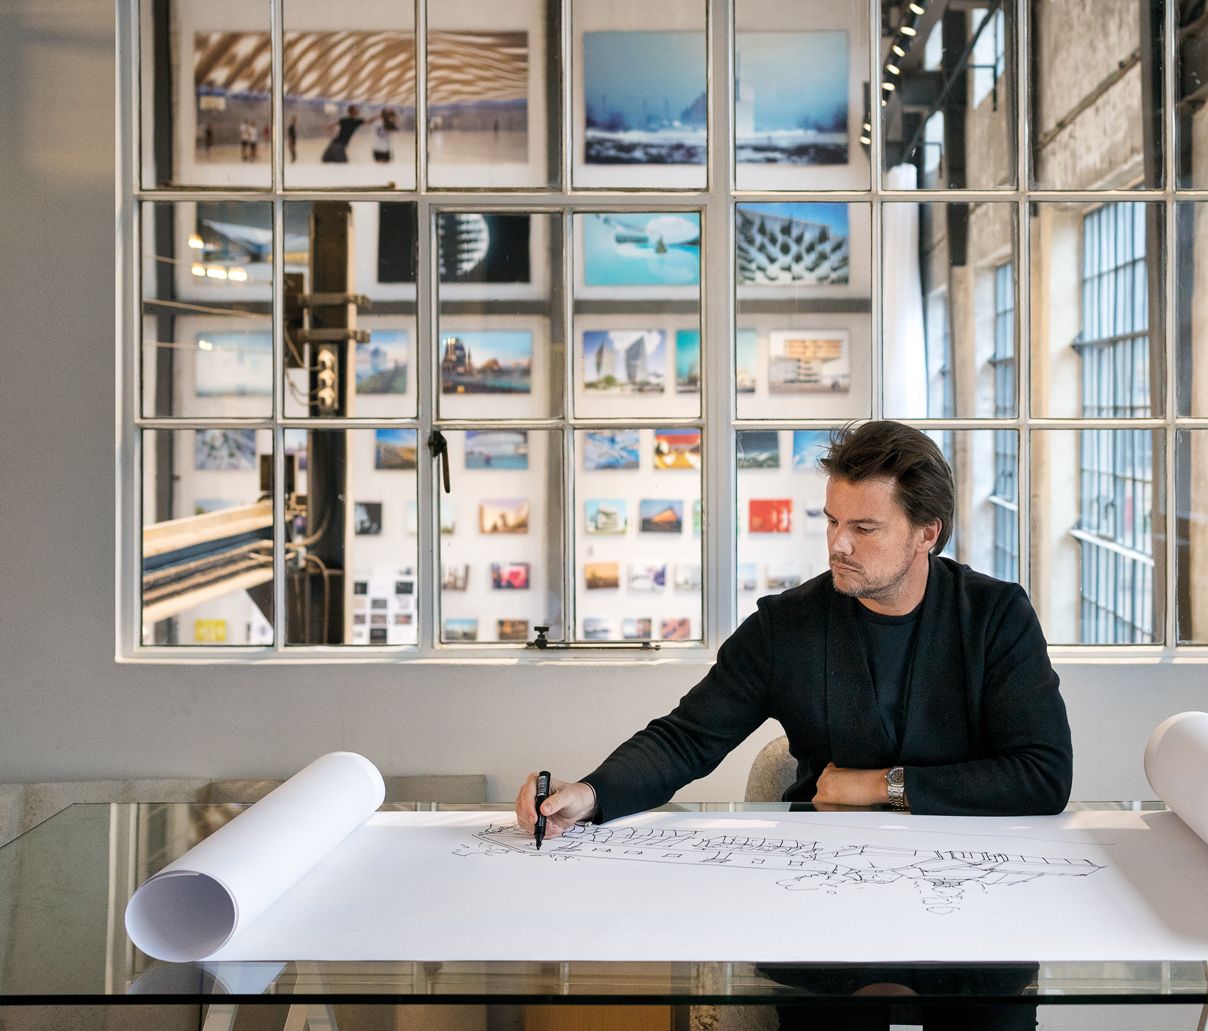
[[900, 677]]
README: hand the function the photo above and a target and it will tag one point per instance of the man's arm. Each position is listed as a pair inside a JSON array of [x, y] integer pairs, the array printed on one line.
[[689, 742], [1024, 724]]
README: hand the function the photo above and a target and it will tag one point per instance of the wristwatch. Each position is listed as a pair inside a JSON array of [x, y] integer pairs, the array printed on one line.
[[895, 779]]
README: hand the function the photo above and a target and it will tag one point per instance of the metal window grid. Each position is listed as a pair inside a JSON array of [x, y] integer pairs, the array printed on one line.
[[717, 201]]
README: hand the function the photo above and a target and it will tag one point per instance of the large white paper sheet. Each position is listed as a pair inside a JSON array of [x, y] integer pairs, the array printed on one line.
[[309, 874], [831, 887]]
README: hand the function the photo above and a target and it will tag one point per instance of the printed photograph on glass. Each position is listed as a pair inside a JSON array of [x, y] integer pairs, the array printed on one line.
[[503, 516], [791, 101], [809, 361], [677, 449], [478, 97], [644, 96], [394, 449], [496, 449], [771, 515], [611, 450], [381, 363], [792, 244], [657, 515], [758, 449], [492, 361], [640, 249], [630, 361], [606, 516], [350, 99]]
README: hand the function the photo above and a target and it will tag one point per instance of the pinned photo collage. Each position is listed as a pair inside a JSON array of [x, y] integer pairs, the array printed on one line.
[[383, 609]]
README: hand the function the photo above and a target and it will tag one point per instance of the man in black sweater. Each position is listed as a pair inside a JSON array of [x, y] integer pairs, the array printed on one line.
[[900, 678]]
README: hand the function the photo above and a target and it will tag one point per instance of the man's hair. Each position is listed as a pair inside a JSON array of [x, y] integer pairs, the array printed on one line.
[[884, 449]]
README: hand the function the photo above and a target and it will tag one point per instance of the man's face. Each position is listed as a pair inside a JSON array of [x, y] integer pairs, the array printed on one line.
[[873, 546]]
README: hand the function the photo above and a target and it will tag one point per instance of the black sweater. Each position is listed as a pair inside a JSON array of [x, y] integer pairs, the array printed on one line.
[[985, 730]]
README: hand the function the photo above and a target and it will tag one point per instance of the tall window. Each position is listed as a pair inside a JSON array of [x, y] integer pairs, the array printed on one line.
[[1116, 466], [1005, 495]]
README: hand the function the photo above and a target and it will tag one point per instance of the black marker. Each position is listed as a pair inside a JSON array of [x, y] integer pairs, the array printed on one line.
[[542, 795]]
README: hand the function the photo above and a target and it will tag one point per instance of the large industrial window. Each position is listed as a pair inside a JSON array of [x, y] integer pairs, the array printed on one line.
[[451, 329], [1115, 529]]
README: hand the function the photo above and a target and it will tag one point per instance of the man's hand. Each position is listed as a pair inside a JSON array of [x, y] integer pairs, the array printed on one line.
[[838, 786], [567, 805]]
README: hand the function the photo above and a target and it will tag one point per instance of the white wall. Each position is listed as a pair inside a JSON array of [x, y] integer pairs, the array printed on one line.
[[68, 711]]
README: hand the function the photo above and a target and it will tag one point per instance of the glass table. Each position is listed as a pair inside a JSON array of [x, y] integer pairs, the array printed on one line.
[[64, 886]]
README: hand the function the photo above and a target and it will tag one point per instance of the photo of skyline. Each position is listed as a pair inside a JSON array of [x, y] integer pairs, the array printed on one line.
[[633, 361], [644, 98], [488, 361], [791, 98]]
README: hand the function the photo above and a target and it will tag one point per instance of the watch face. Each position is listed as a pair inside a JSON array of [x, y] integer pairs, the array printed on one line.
[[896, 776]]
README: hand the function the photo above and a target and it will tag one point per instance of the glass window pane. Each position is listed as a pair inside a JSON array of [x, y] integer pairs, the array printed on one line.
[[357, 360], [638, 535], [799, 96], [207, 552], [349, 104], [948, 355], [1097, 341], [1097, 565], [496, 126], [640, 110], [804, 340], [1191, 470], [207, 347], [782, 491], [499, 315], [1191, 313], [352, 536], [501, 550], [948, 85], [205, 103], [1096, 75], [637, 315]]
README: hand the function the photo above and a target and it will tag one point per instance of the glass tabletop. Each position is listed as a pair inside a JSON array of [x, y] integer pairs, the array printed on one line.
[[64, 886]]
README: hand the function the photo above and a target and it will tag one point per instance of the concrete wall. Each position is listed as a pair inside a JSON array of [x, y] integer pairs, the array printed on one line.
[[68, 711]]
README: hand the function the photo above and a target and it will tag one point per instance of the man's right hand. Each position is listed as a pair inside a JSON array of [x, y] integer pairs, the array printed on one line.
[[568, 804]]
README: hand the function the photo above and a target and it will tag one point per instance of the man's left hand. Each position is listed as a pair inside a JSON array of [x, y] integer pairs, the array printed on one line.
[[839, 786]]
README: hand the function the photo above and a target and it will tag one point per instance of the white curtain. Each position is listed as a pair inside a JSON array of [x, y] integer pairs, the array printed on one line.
[[904, 384]]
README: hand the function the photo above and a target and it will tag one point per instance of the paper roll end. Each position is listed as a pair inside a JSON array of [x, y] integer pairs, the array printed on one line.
[[1154, 744], [181, 916]]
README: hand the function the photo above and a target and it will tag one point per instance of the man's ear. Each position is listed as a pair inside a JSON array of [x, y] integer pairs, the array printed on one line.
[[931, 533]]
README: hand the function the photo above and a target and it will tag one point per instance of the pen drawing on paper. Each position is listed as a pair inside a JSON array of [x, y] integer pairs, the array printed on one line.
[[942, 877]]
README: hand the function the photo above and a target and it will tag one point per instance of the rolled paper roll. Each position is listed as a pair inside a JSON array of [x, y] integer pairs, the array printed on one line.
[[1176, 766], [195, 905]]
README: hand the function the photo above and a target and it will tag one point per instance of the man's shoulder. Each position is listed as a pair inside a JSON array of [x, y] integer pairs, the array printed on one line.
[[980, 591], [816, 591]]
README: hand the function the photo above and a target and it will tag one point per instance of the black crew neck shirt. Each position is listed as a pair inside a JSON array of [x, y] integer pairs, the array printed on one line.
[[889, 649]]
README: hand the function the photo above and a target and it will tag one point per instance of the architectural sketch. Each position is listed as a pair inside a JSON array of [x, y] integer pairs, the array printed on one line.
[[942, 877]]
